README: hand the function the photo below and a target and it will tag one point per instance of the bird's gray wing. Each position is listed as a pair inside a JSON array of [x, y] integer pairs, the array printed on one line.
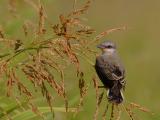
[[111, 69]]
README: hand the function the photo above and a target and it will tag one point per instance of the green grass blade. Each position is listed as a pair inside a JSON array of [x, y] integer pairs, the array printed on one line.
[[27, 115]]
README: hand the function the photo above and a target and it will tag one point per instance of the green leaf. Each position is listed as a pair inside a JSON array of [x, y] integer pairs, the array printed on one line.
[[27, 115], [8, 107]]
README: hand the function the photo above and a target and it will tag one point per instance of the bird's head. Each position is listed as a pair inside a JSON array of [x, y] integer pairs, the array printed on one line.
[[107, 47]]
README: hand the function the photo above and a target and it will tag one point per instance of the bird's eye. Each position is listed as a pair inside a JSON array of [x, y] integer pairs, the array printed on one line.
[[109, 46]]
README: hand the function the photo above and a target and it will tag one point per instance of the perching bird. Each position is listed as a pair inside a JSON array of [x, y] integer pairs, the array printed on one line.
[[110, 71]]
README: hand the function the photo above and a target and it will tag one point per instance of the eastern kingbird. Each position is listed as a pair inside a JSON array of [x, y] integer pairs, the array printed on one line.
[[110, 71]]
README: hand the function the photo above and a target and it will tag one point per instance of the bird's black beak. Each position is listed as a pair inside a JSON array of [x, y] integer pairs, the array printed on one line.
[[100, 46]]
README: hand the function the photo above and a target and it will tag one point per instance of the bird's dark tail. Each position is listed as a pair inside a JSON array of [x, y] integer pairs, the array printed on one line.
[[115, 94]]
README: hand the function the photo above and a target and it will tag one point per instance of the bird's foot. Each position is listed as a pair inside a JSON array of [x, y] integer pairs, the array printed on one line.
[[101, 87]]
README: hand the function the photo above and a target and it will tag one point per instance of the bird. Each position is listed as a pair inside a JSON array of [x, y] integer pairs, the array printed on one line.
[[110, 71]]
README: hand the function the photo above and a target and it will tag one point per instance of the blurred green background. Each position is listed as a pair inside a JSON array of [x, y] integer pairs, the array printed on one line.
[[138, 46]]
